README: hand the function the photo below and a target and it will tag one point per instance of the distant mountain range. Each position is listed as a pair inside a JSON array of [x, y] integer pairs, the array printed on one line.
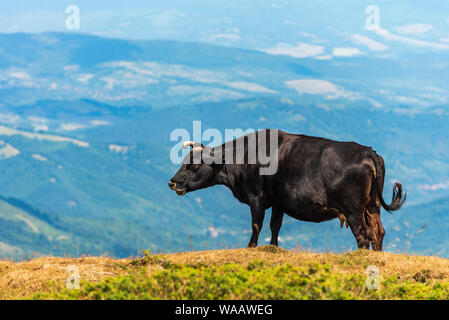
[[84, 141]]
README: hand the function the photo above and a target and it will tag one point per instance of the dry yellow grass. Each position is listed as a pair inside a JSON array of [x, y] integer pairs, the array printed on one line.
[[404, 266], [20, 280]]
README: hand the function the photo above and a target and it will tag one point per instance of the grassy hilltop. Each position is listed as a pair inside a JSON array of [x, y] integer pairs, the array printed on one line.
[[259, 273]]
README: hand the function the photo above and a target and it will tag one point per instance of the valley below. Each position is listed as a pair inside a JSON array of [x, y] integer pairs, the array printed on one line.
[[85, 142]]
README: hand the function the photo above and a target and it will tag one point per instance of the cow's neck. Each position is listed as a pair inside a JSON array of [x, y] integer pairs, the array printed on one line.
[[222, 176], [227, 178]]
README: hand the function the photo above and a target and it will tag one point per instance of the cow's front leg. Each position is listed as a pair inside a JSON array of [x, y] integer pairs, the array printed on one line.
[[275, 224], [257, 215]]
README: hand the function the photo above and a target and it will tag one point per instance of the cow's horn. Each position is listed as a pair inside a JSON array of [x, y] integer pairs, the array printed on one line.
[[197, 149], [188, 144]]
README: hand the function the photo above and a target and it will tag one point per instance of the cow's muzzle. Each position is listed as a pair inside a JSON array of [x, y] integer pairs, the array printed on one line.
[[178, 189]]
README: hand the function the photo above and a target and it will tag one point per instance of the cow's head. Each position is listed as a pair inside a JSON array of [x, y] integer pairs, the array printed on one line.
[[197, 170]]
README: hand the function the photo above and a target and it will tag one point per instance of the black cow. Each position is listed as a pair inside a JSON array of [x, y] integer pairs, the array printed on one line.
[[316, 180]]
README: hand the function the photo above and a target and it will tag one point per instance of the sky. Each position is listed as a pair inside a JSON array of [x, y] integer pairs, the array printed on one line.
[[320, 29]]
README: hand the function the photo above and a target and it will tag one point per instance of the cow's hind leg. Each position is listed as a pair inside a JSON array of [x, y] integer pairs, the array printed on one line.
[[373, 219], [355, 197], [372, 215], [275, 224], [360, 232], [257, 215]]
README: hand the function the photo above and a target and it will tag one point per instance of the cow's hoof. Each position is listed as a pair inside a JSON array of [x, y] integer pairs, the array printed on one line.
[[251, 245]]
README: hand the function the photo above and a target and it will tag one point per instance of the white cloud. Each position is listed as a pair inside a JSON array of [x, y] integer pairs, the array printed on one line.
[[22, 75], [85, 77], [38, 123], [71, 67], [324, 57], [37, 119], [300, 50], [434, 187], [40, 127], [71, 126], [39, 157], [40, 136], [9, 118], [215, 232], [414, 42], [375, 103], [307, 35], [414, 28], [318, 86], [99, 123], [215, 95], [346, 52], [131, 73], [184, 90], [368, 42], [204, 94], [229, 34], [296, 117], [430, 96], [118, 149], [248, 86], [287, 101], [7, 151], [109, 82], [17, 78], [312, 86], [409, 100]]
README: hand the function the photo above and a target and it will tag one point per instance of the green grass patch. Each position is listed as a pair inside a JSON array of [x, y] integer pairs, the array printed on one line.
[[154, 278]]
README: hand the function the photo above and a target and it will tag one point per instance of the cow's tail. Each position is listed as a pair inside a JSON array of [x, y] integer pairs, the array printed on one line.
[[397, 200]]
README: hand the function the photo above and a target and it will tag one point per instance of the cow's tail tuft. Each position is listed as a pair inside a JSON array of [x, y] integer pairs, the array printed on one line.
[[397, 199]]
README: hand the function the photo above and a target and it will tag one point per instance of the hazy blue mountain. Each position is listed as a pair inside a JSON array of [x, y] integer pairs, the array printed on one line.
[[262, 24], [59, 66]]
